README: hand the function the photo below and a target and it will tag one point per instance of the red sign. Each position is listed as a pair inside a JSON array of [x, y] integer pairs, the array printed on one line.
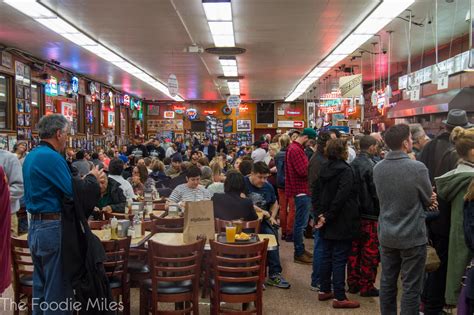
[[298, 124], [210, 112], [293, 112], [126, 100], [179, 109]]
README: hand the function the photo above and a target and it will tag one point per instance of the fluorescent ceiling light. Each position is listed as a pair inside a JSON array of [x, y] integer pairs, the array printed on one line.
[[224, 40], [52, 21], [221, 28], [217, 10], [230, 71], [228, 61], [385, 12], [31, 8]]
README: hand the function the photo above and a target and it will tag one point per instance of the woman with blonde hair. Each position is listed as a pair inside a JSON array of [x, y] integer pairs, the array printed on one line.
[[452, 187]]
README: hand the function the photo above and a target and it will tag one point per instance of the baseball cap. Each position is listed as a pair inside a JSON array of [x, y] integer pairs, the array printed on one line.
[[310, 132]]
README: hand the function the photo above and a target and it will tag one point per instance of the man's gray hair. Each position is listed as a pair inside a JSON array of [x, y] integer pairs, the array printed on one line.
[[417, 131], [50, 124]]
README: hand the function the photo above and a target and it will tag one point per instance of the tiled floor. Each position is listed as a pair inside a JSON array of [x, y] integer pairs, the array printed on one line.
[[297, 300]]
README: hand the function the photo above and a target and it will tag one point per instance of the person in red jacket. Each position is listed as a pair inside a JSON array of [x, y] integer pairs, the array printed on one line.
[[296, 186]]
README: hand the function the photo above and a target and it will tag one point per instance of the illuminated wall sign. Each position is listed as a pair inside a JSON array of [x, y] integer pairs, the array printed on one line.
[[51, 88], [243, 108], [63, 85], [292, 112], [75, 85], [135, 104], [226, 110], [290, 124], [168, 114], [126, 100], [192, 113], [112, 100], [210, 112], [178, 109]]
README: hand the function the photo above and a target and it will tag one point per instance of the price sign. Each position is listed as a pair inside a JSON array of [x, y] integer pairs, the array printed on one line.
[[443, 80]]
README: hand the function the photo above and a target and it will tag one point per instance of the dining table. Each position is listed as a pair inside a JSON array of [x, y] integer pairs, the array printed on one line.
[[176, 239], [135, 241]]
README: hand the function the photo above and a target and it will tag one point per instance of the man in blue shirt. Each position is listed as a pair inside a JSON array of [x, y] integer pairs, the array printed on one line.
[[263, 197], [47, 179]]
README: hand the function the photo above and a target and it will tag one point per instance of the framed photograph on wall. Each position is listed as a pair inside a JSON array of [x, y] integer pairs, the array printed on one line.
[[228, 125], [19, 91], [153, 110], [244, 125]]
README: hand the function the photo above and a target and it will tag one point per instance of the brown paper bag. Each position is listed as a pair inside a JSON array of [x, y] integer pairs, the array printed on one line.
[[198, 220]]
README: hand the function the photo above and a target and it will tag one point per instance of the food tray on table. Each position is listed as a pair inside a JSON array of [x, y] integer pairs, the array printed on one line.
[[253, 238]]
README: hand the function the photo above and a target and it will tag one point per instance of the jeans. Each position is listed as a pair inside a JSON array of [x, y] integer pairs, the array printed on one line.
[[303, 206], [273, 256], [287, 216], [435, 285], [333, 262], [317, 259], [50, 285], [410, 263]]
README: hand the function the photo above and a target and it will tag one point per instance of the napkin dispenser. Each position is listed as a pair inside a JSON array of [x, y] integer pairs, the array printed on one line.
[[122, 228]]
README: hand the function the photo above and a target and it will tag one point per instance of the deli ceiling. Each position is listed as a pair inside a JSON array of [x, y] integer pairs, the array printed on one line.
[[284, 40]]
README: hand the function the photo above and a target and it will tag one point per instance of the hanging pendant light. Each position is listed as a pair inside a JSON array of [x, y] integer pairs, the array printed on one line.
[[373, 97], [361, 97], [388, 88]]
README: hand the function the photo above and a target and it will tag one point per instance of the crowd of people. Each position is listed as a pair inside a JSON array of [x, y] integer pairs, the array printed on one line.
[[364, 199]]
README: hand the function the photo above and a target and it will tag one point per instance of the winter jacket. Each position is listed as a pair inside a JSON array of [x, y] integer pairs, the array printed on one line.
[[280, 165], [118, 201], [452, 187], [82, 252], [296, 171], [314, 167], [363, 167], [334, 195], [404, 191]]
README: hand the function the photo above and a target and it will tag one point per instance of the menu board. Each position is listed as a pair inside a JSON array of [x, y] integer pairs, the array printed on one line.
[[165, 124]]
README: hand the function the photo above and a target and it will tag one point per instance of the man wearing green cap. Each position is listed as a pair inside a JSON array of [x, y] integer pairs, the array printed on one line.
[[296, 186]]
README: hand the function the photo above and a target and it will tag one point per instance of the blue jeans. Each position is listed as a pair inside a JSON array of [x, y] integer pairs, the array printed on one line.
[[317, 259], [273, 256], [302, 209], [50, 285], [334, 260]]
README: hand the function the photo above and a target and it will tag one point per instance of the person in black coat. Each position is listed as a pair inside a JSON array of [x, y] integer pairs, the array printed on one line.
[[364, 257], [208, 149], [221, 146], [112, 198], [231, 205], [336, 206]]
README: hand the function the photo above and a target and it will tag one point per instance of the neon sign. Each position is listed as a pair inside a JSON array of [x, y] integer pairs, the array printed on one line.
[[126, 100], [51, 88], [243, 108], [179, 109], [210, 112]]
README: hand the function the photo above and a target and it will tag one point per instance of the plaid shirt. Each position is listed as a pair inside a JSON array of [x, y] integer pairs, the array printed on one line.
[[296, 171]]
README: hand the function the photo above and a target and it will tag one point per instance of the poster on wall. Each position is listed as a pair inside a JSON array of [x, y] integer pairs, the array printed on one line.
[[67, 109], [7, 59], [244, 125], [228, 125], [19, 72], [153, 110], [168, 114], [4, 142], [165, 124]]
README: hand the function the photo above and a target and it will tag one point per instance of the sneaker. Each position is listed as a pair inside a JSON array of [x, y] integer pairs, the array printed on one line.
[[325, 296], [309, 254], [370, 293], [315, 288], [303, 259], [278, 281], [345, 304], [353, 290]]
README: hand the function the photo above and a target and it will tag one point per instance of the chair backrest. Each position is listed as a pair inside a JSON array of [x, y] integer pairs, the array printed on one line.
[[238, 263], [170, 263], [97, 225], [117, 253], [21, 259], [168, 225], [254, 226], [118, 216]]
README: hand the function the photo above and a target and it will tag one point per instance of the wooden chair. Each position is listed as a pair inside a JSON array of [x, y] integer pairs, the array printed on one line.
[[116, 264], [246, 225], [237, 275], [168, 225], [118, 216], [138, 268], [174, 278], [97, 225], [22, 272]]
